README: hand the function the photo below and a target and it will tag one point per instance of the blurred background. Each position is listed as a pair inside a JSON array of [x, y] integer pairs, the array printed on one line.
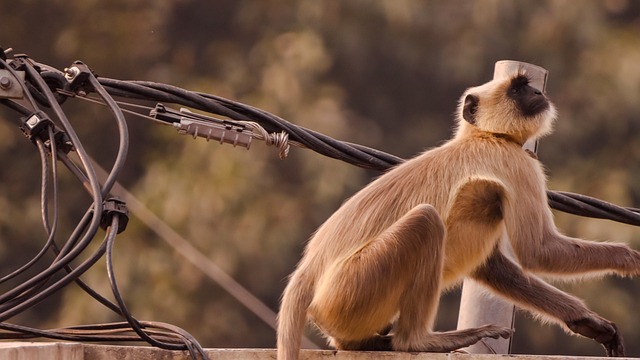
[[386, 74]]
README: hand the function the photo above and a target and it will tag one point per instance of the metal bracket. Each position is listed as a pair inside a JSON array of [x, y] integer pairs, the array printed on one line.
[[10, 87], [77, 75]]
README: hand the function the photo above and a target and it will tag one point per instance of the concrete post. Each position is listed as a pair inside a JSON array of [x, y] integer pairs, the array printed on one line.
[[477, 308]]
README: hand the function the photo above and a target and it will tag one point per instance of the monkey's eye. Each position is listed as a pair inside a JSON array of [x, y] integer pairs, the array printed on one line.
[[518, 83]]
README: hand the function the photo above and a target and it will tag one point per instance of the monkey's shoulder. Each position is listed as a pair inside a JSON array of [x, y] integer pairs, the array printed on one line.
[[482, 152], [483, 156]]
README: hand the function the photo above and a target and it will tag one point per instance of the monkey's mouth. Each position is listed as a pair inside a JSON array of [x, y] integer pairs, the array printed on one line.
[[535, 106]]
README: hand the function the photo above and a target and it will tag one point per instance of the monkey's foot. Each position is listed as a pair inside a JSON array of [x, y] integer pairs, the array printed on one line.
[[374, 343], [600, 330], [454, 340], [434, 342]]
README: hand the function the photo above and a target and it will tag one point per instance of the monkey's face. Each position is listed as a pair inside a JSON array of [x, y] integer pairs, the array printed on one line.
[[511, 107], [529, 100]]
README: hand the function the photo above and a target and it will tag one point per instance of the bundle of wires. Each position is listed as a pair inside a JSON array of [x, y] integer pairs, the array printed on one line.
[[355, 154], [45, 88]]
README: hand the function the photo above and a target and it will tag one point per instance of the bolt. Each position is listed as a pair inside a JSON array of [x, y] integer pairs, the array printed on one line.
[[5, 82], [32, 121], [71, 73]]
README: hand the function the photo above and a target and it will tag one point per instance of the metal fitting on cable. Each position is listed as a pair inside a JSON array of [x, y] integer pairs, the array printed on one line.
[[34, 124], [9, 85], [210, 128], [224, 133], [77, 75], [114, 206]]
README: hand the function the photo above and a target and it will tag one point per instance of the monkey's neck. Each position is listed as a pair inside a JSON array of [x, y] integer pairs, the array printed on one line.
[[470, 130], [506, 137]]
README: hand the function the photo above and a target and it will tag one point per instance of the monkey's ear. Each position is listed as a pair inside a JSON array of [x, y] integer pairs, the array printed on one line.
[[470, 108]]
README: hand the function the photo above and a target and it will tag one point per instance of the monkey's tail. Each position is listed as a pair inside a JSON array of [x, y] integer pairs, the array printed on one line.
[[292, 317]]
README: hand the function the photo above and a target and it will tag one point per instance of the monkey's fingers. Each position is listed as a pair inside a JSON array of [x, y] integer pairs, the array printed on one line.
[[507, 333], [495, 332], [600, 330], [615, 346], [504, 333]]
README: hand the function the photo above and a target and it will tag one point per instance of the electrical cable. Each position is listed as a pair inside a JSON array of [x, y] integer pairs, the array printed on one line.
[[34, 290], [352, 153], [95, 213], [50, 230]]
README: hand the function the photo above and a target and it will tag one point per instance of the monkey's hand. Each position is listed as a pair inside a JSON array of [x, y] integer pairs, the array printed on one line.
[[601, 330]]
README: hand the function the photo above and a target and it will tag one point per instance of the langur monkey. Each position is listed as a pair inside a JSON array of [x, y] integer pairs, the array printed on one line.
[[372, 275]]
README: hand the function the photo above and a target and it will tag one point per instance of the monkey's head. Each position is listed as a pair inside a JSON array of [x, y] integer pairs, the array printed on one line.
[[507, 106]]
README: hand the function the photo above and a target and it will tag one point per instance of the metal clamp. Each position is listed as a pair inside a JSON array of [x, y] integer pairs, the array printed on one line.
[[114, 206], [9, 85], [210, 128]]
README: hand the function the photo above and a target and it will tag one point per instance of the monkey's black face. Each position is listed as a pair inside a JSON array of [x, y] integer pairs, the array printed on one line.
[[529, 100]]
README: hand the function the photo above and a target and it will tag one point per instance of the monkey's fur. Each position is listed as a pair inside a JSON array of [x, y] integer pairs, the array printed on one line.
[[382, 260]]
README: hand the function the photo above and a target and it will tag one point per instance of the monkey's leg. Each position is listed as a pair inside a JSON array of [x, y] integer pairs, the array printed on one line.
[[474, 223], [373, 343], [476, 209], [399, 270], [531, 293], [563, 255]]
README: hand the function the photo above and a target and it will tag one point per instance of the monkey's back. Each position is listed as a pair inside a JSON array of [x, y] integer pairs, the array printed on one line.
[[430, 178]]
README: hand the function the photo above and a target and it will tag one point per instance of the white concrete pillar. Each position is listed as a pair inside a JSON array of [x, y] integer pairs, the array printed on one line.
[[477, 307]]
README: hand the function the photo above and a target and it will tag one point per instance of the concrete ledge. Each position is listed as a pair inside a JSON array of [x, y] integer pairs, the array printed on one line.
[[80, 351]]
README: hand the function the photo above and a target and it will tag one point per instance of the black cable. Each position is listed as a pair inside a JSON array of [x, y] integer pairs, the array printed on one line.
[[365, 157], [50, 230], [16, 107], [123, 145], [79, 148], [36, 289], [94, 214], [376, 159], [135, 325], [358, 155], [14, 309], [352, 153], [609, 210]]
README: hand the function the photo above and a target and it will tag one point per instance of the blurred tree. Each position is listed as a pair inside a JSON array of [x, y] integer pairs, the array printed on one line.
[[387, 74]]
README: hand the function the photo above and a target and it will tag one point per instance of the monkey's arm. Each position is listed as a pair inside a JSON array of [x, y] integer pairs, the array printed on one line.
[[558, 254], [529, 292]]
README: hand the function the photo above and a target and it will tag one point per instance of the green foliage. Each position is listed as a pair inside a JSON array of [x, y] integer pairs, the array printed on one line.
[[386, 74]]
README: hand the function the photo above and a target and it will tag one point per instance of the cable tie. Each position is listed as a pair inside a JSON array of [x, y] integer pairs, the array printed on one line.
[[114, 206]]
